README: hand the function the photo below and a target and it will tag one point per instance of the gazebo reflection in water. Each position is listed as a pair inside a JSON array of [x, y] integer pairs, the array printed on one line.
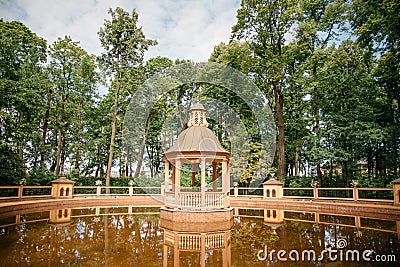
[[196, 244]]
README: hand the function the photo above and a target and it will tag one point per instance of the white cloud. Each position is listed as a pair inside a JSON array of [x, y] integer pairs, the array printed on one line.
[[185, 29]]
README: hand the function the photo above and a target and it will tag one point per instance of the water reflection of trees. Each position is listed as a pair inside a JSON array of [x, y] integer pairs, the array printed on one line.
[[114, 240], [136, 240], [250, 235]]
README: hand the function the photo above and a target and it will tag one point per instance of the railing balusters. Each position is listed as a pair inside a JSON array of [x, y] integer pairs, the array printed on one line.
[[212, 199]]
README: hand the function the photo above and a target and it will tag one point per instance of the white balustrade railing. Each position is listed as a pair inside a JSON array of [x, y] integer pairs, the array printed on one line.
[[190, 199], [211, 199], [193, 200], [211, 241], [190, 241], [216, 200], [215, 241]]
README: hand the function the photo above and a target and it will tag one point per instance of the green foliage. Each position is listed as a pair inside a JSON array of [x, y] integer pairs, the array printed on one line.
[[12, 168], [372, 182], [22, 86], [40, 176], [124, 44], [298, 181], [376, 23], [265, 25], [334, 103], [74, 79], [123, 41]]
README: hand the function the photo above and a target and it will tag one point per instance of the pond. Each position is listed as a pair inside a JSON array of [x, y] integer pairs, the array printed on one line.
[[128, 236]]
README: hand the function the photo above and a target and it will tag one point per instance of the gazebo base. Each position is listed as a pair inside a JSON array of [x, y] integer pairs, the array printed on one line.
[[185, 220]]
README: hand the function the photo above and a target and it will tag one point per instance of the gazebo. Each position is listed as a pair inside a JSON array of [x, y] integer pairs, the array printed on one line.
[[197, 147]]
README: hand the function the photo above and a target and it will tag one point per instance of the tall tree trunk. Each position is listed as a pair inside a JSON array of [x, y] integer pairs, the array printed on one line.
[[281, 131], [45, 128], [77, 154], [296, 155], [78, 138], [20, 145], [58, 155], [297, 137], [140, 156], [113, 131], [63, 154], [143, 145], [317, 132]]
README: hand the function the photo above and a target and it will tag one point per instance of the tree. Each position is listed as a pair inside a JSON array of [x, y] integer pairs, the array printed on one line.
[[320, 22], [244, 164], [83, 100], [349, 106], [154, 146], [376, 26], [72, 73], [124, 44], [264, 25], [12, 168], [22, 85]]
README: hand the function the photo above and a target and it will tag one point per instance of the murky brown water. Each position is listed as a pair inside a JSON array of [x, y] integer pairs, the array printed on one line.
[[134, 237]]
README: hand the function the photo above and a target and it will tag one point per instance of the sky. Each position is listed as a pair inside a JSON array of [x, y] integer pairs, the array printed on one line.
[[184, 29]]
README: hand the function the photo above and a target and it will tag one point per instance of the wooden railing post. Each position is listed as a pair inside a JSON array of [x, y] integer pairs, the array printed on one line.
[[355, 193], [130, 190], [20, 188], [98, 191], [236, 190], [315, 192], [396, 191]]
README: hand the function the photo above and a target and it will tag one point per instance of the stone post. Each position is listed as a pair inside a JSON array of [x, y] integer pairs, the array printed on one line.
[[60, 217], [130, 190], [398, 230], [272, 189], [20, 189], [98, 190], [62, 188], [315, 192], [355, 193], [236, 189]]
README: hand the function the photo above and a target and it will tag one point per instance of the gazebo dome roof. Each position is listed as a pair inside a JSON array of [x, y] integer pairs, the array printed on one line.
[[197, 106], [197, 139]]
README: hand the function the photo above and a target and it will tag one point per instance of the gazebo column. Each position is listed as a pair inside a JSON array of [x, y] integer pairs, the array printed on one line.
[[203, 249], [176, 250], [165, 254], [166, 176], [203, 182], [177, 184], [226, 252], [226, 180], [173, 177], [194, 167], [214, 176]]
